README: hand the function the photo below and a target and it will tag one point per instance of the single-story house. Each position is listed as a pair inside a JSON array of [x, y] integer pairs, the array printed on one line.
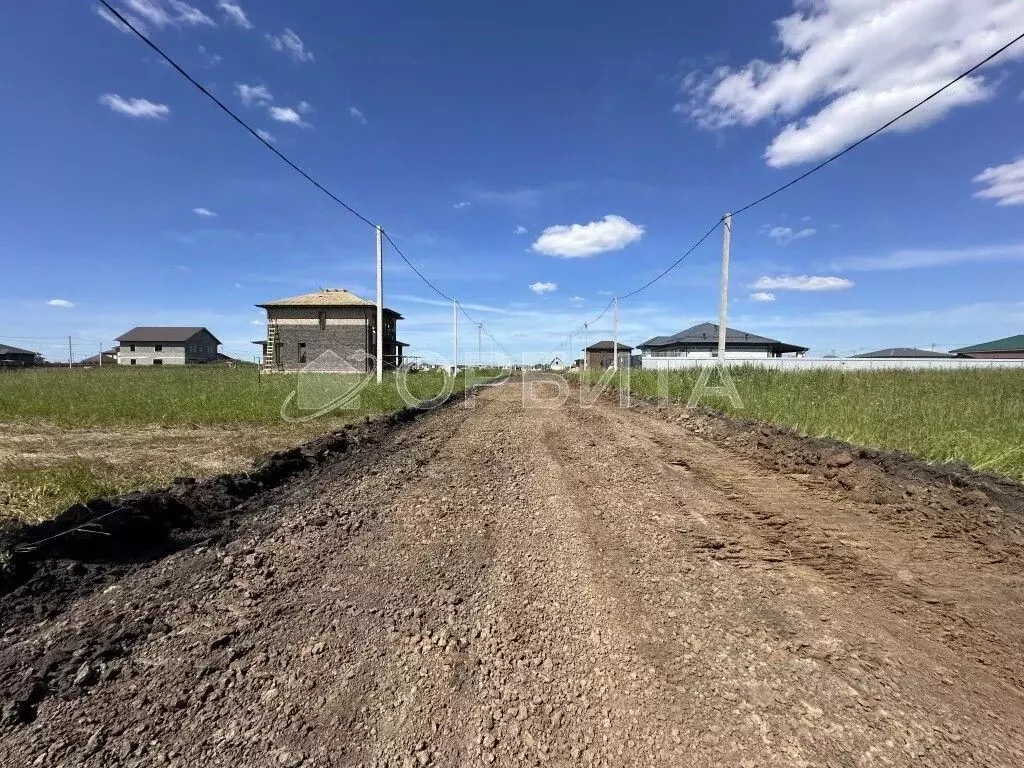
[[904, 352], [302, 330], [16, 357], [702, 341], [600, 355], [166, 345], [556, 364], [1010, 348]]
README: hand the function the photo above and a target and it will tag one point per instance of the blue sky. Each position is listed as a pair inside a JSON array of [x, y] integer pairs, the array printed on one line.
[[532, 160]]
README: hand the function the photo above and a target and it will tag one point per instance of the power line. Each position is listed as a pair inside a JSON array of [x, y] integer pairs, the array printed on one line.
[[877, 131], [294, 166], [234, 116], [826, 162], [674, 264]]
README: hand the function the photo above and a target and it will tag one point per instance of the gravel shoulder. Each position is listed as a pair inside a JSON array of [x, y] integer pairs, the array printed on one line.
[[567, 586]]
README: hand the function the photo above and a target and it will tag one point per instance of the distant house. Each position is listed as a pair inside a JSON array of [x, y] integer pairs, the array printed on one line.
[[107, 357], [1010, 348], [905, 353], [556, 364], [702, 341], [15, 357], [301, 330], [599, 356], [166, 346]]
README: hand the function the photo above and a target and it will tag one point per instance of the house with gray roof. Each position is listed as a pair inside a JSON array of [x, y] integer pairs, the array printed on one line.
[[167, 345], [16, 357], [906, 353], [702, 341]]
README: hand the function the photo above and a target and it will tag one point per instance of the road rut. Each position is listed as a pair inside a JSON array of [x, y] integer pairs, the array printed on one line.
[[521, 586]]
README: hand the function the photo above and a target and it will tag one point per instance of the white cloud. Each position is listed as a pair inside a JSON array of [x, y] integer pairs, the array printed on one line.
[[577, 301], [287, 115], [205, 212], [924, 258], [763, 296], [1003, 183], [110, 18], [848, 66], [519, 230], [267, 136], [357, 114], [135, 107], [290, 43], [60, 303], [254, 95], [212, 59], [463, 204], [542, 288], [802, 283], [786, 235], [611, 233], [164, 13], [233, 12]]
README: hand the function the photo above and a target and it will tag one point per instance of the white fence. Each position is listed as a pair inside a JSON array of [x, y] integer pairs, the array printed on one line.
[[841, 363]]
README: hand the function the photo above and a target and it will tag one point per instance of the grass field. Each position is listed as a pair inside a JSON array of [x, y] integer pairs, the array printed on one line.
[[75, 434], [971, 416]]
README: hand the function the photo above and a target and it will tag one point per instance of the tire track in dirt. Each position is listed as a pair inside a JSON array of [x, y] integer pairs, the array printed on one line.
[[516, 586]]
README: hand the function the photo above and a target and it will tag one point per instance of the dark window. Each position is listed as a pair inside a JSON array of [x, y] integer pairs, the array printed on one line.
[[158, 361], [131, 348], [133, 361], [302, 352], [158, 348], [321, 317]]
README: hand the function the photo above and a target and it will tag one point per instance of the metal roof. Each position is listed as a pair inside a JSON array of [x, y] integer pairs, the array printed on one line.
[[904, 352], [6, 349], [607, 346], [169, 334], [706, 335], [327, 297], [1009, 344]]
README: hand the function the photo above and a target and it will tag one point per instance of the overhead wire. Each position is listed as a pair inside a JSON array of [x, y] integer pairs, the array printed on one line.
[[764, 198], [234, 116]]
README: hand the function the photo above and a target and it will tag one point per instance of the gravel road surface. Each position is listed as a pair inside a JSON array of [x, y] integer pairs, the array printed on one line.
[[567, 586]]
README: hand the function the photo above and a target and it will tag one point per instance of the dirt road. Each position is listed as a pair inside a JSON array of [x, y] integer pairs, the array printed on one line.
[[519, 586]]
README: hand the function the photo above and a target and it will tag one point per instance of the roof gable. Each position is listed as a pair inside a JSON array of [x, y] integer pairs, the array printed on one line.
[[1009, 344], [326, 297], [171, 334]]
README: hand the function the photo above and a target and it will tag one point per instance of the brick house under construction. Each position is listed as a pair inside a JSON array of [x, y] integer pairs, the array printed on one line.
[[301, 329]]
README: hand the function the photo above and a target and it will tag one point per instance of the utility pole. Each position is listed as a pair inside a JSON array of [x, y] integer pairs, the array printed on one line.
[[479, 345], [380, 304], [615, 334], [585, 345], [455, 337], [724, 299], [569, 351], [101, 355], [71, 353]]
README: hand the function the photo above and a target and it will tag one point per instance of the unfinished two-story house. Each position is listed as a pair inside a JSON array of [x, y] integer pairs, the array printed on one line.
[[301, 329], [164, 345]]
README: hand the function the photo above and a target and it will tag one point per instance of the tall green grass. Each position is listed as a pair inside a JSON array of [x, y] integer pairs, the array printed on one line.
[[971, 416], [182, 395]]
